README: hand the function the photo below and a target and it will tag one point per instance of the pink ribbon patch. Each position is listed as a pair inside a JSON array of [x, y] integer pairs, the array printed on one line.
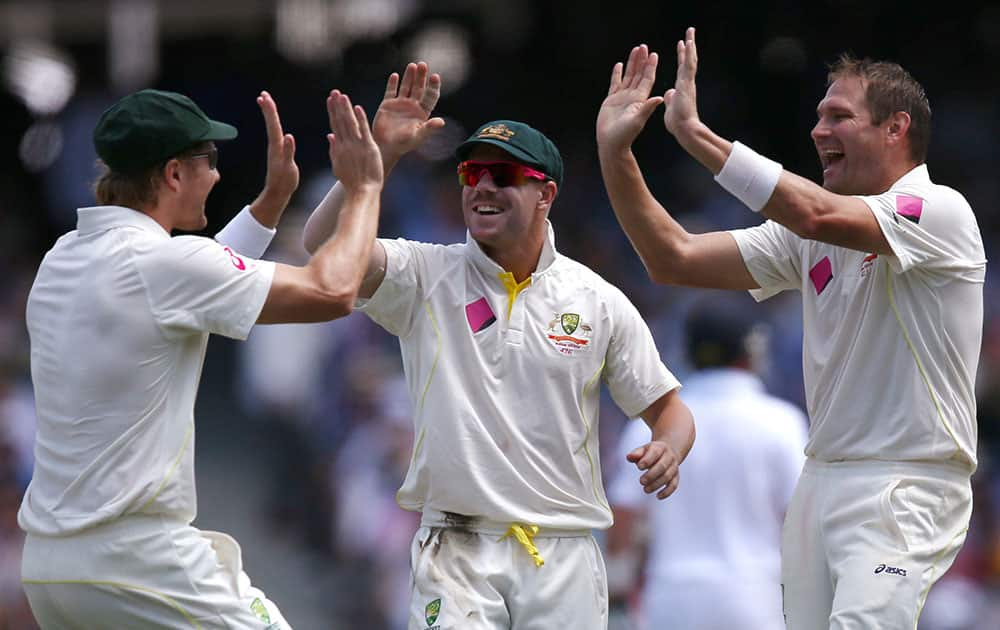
[[821, 274], [479, 314], [910, 207]]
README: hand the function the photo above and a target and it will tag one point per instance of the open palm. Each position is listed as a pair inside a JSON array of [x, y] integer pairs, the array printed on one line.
[[628, 105], [403, 120], [681, 100]]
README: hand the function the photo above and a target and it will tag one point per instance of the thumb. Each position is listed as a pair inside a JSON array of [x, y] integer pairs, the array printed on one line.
[[647, 108], [430, 127], [637, 454]]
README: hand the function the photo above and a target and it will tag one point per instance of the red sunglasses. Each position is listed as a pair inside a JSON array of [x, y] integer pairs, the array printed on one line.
[[502, 174]]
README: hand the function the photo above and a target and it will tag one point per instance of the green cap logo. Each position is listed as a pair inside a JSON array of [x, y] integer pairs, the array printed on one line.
[[432, 610]]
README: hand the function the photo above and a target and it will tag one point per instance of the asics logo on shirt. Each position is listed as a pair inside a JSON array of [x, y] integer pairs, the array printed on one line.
[[882, 568]]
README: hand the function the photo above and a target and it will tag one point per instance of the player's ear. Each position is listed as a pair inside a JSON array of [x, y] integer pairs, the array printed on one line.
[[172, 174], [547, 194]]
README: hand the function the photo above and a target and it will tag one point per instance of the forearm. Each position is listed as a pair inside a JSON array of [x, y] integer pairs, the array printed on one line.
[[268, 207], [704, 145], [341, 262], [323, 220], [674, 425], [655, 235]]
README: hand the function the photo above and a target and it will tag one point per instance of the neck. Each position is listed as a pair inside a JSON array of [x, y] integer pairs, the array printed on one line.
[[521, 260]]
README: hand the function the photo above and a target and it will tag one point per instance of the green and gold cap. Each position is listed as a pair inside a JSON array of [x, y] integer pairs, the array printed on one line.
[[525, 143]]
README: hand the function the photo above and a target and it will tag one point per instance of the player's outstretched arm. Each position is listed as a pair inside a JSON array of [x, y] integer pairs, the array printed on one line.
[[282, 177], [327, 286], [673, 435], [802, 206], [402, 123], [671, 254]]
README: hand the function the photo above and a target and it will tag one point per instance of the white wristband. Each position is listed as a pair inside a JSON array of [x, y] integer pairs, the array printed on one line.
[[246, 235], [749, 176]]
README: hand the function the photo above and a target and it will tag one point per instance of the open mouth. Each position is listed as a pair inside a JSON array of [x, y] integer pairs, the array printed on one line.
[[830, 158], [487, 210]]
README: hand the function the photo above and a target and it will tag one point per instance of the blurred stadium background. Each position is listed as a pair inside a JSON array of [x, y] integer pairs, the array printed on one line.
[[304, 430]]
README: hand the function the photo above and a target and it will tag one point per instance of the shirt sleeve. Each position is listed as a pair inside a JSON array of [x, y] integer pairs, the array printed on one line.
[[624, 489], [196, 284], [931, 230], [393, 305], [770, 252], [634, 373]]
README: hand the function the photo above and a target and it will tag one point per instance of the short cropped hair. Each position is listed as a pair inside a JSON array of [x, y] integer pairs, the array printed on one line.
[[890, 89]]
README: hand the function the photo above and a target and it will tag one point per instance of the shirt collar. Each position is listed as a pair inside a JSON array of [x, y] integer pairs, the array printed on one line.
[[490, 267], [101, 218], [918, 174]]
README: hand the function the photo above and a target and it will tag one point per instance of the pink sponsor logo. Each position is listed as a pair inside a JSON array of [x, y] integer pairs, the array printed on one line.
[[479, 314], [821, 274], [236, 260], [910, 207]]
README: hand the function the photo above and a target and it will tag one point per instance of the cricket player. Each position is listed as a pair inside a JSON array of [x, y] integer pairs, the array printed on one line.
[[505, 345], [891, 267], [119, 317]]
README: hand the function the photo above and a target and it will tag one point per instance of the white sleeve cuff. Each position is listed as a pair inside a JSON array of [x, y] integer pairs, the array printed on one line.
[[246, 235]]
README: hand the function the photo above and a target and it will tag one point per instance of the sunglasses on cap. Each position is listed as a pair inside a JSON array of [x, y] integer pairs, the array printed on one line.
[[502, 174], [212, 154]]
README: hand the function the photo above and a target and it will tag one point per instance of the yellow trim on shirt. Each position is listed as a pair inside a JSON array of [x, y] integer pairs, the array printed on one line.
[[586, 437], [916, 358], [173, 468], [513, 288]]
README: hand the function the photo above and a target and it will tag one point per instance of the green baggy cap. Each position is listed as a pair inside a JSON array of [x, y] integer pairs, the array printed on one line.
[[524, 142], [150, 126]]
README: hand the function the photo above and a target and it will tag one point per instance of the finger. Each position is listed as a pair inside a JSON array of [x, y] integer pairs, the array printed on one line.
[[348, 119], [391, 86], [361, 119], [429, 99], [271, 120], [649, 107], [648, 77], [668, 489], [331, 139], [680, 56], [635, 61], [331, 100], [616, 78], [288, 146], [654, 453], [406, 87], [419, 81], [692, 51]]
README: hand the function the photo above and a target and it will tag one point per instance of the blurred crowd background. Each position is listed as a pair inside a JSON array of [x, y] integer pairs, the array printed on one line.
[[304, 431]]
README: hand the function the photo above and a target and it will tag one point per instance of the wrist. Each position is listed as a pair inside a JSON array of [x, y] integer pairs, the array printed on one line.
[[749, 176]]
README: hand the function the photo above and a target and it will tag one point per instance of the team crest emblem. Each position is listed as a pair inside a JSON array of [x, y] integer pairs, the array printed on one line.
[[569, 322], [569, 333], [431, 611], [497, 132], [258, 609]]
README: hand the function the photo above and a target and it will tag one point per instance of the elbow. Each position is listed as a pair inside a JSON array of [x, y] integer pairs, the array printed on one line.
[[670, 267]]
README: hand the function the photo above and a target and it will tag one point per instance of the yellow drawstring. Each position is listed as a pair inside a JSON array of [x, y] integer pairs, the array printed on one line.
[[524, 535]]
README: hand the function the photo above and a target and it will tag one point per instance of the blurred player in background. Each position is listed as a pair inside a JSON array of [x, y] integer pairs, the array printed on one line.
[[711, 558], [119, 317], [891, 268], [505, 344]]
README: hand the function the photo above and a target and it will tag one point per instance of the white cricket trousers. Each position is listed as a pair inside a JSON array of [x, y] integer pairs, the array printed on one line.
[[473, 577], [143, 573], [864, 541]]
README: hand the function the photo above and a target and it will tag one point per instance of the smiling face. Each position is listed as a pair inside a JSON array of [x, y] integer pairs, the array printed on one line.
[[199, 178], [852, 149], [509, 218]]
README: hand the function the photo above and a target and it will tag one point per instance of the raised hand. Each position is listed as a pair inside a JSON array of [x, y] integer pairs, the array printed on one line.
[[356, 160], [681, 100], [403, 120], [660, 465], [282, 172], [628, 105]]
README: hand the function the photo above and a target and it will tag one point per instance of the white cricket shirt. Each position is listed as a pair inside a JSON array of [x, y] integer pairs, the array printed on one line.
[[891, 343], [505, 384], [723, 523], [119, 316]]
